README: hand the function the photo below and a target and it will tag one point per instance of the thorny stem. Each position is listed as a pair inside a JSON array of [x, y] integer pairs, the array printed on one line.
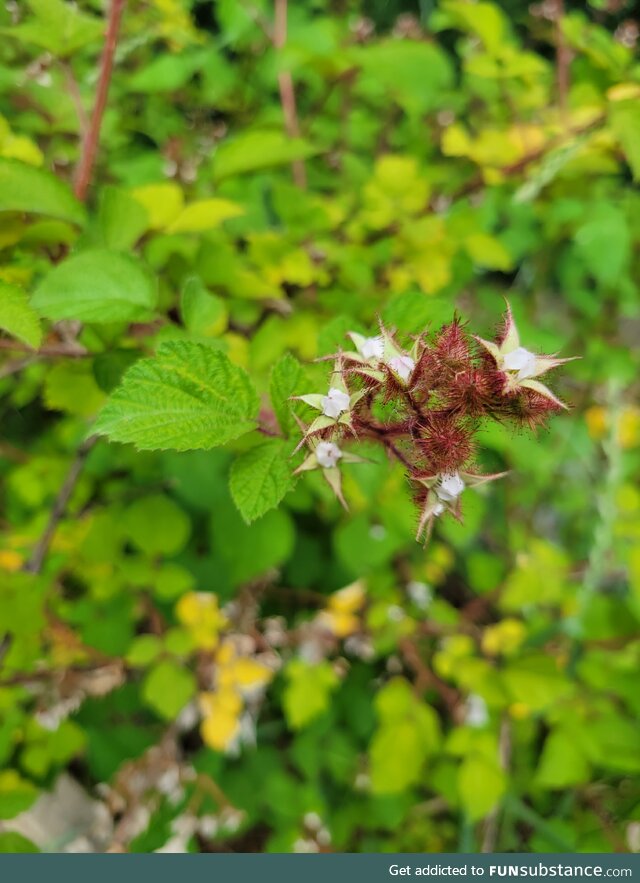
[[287, 91], [90, 141]]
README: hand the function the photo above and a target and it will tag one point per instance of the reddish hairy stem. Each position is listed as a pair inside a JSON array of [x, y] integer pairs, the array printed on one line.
[[92, 137]]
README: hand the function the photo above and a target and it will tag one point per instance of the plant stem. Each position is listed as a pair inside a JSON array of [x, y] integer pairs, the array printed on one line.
[[287, 91], [35, 562], [90, 141]]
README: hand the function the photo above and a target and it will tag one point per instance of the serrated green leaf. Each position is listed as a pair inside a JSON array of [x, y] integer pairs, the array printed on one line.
[[260, 478], [96, 286], [24, 188], [285, 381], [186, 397], [17, 317]]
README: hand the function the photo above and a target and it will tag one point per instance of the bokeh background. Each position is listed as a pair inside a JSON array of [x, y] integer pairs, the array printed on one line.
[[175, 679]]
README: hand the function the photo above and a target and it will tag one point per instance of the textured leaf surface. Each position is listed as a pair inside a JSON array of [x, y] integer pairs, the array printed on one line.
[[96, 286], [186, 397], [24, 188], [17, 317], [260, 478]]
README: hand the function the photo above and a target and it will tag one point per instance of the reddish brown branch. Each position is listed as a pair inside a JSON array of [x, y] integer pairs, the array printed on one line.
[[287, 91], [92, 137]]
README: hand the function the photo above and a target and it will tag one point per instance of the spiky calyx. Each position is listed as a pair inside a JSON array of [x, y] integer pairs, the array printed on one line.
[[425, 404]]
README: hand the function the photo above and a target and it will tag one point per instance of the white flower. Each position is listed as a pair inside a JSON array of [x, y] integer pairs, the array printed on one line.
[[372, 347], [521, 360], [476, 714], [328, 454], [402, 365], [335, 402], [450, 487], [438, 509]]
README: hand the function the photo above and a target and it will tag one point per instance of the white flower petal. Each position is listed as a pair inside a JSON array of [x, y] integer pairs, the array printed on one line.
[[335, 402], [328, 454], [450, 487], [372, 347], [402, 365], [521, 360]]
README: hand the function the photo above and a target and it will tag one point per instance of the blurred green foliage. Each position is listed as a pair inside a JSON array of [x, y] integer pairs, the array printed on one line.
[[304, 678]]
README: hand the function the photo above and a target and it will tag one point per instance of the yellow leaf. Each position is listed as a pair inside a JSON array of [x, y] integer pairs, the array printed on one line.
[[221, 718], [597, 419], [245, 674], [199, 612], [163, 203], [487, 251], [349, 599], [205, 214], [629, 428]]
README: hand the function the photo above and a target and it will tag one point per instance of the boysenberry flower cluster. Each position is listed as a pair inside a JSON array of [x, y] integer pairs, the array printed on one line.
[[424, 405]]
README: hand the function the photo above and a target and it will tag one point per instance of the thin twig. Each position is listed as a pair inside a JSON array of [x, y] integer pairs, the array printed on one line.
[[492, 821], [90, 141], [563, 60], [35, 562], [287, 91], [76, 97], [55, 349]]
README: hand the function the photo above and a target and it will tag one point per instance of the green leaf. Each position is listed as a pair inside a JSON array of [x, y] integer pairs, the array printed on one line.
[[17, 317], [407, 734], [256, 150], [260, 478], [157, 525], [481, 784], [16, 794], [624, 117], [57, 27], [286, 379], [186, 397], [122, 219], [16, 843], [308, 691], [24, 188], [203, 313], [71, 387], [563, 764], [168, 688], [96, 286], [205, 214]]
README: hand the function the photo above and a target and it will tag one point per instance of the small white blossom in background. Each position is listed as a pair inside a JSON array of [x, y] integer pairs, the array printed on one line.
[[335, 402], [328, 454], [305, 845], [420, 593], [395, 613], [476, 712]]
